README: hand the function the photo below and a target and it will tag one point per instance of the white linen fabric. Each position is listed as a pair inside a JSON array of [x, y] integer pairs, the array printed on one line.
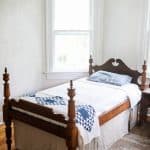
[[101, 96], [93, 93], [133, 93], [110, 78]]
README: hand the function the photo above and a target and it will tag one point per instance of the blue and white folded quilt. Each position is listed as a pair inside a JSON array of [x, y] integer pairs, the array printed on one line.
[[86, 120]]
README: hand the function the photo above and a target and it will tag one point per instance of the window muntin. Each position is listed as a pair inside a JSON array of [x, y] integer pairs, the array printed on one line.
[[71, 32]]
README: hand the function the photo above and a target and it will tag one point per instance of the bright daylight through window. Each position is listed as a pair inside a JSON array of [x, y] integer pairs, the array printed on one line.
[[71, 35]]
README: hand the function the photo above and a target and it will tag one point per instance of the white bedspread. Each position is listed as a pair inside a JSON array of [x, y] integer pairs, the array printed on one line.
[[102, 97]]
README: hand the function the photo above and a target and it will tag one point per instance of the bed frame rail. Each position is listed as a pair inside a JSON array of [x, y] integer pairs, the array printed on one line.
[[38, 109], [6, 113]]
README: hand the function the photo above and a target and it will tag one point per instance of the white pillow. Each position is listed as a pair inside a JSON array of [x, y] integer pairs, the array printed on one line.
[[109, 77]]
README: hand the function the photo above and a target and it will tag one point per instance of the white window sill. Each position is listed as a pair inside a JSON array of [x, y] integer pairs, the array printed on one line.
[[65, 75]]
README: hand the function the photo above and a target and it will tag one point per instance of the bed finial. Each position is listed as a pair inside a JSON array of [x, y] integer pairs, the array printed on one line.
[[71, 126], [90, 65], [6, 86], [5, 69], [71, 93], [6, 108], [144, 67], [71, 84]]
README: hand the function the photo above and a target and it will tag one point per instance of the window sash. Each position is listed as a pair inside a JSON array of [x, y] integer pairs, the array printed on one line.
[[72, 20], [50, 35], [73, 31], [77, 57]]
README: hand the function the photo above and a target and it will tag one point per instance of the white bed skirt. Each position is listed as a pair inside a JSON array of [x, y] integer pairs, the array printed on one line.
[[31, 138]]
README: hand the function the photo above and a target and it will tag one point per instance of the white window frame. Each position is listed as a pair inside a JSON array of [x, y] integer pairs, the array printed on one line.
[[50, 40], [146, 36]]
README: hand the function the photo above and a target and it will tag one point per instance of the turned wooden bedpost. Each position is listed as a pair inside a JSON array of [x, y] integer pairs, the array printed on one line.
[[72, 136], [143, 80], [6, 107], [90, 65]]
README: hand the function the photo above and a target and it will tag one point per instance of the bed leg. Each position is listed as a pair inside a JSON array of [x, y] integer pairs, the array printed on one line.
[[138, 123], [6, 110], [8, 132], [129, 122], [72, 132], [8, 129]]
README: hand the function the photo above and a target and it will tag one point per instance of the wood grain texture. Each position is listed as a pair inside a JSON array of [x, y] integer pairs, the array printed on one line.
[[72, 131], [3, 139], [118, 66], [6, 107], [2, 135], [144, 67], [114, 112], [38, 109]]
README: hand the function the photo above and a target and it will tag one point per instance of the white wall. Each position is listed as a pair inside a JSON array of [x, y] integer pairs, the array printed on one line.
[[21, 44], [98, 18], [22, 39], [123, 26]]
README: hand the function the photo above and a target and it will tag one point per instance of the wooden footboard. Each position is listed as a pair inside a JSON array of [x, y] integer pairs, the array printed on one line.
[[11, 108]]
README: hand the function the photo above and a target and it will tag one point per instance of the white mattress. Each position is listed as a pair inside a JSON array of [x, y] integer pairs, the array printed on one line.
[[102, 97]]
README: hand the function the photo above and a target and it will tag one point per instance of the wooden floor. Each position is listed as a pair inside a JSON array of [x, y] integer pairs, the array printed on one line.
[[2, 138]]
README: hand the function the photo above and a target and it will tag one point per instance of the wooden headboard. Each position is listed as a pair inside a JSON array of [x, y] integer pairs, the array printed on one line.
[[118, 66]]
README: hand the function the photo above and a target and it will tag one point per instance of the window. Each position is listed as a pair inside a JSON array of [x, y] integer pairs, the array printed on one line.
[[69, 35]]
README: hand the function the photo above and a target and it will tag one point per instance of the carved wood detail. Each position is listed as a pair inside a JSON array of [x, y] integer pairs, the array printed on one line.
[[38, 109], [90, 65], [6, 107], [117, 66], [71, 125]]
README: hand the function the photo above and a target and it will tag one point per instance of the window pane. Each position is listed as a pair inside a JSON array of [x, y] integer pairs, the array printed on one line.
[[71, 52], [71, 14]]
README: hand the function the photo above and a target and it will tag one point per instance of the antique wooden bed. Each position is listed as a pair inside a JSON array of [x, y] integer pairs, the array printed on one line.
[[70, 132]]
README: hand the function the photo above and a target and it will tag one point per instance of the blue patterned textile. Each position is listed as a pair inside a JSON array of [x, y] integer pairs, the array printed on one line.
[[109, 77], [54, 100], [30, 94], [85, 116], [84, 113]]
